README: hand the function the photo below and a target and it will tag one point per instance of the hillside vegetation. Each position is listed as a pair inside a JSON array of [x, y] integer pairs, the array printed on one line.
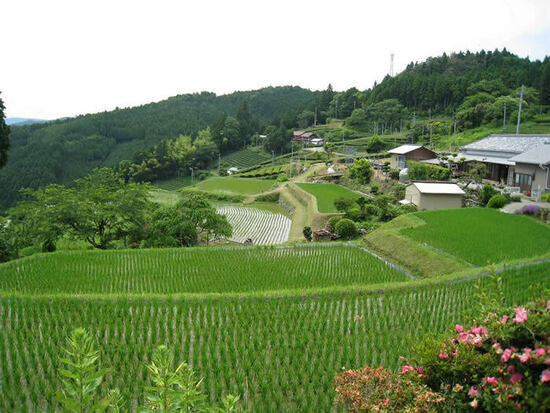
[[60, 151]]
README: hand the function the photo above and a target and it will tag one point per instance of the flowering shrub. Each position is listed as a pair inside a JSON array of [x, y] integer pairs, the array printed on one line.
[[499, 363], [378, 390]]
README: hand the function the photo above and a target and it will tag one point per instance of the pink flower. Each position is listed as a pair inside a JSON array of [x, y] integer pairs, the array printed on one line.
[[540, 352], [506, 355], [459, 328], [443, 355], [516, 378], [406, 368], [480, 331], [504, 319], [521, 315], [526, 356], [545, 376], [492, 380], [463, 337], [474, 391]]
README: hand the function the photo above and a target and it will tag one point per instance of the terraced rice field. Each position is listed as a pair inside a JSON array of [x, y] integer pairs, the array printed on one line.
[[261, 226], [492, 235], [326, 194], [194, 270], [279, 353], [238, 186]]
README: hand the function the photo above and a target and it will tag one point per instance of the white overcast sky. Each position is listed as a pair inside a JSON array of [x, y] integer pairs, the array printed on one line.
[[63, 58]]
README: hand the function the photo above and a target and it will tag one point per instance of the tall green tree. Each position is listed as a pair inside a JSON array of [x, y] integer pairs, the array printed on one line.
[[100, 208], [545, 82], [246, 123], [4, 136], [186, 223]]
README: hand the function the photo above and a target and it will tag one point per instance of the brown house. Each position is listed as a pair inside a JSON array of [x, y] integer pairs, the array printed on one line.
[[404, 153]]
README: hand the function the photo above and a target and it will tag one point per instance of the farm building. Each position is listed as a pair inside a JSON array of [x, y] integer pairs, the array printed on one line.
[[434, 195], [306, 138], [404, 153], [507, 157]]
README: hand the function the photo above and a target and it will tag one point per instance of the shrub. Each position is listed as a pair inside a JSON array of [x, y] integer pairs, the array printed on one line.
[[361, 171], [497, 201], [376, 389], [343, 203], [307, 233], [532, 210], [346, 228], [332, 222], [394, 174], [486, 193], [420, 171], [497, 363], [282, 178], [355, 213]]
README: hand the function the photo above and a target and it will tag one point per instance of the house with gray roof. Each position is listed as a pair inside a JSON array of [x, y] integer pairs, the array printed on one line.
[[500, 153], [532, 170]]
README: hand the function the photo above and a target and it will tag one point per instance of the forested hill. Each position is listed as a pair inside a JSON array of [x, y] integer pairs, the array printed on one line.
[[441, 83], [60, 151]]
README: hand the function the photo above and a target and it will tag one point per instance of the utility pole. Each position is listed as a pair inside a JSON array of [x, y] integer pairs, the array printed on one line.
[[519, 110], [291, 156], [315, 117], [504, 118], [431, 129]]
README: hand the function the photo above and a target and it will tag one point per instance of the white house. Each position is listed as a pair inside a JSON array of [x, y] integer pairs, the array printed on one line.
[[434, 195]]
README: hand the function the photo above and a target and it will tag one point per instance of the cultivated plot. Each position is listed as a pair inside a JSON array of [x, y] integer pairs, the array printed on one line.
[[492, 235], [278, 354], [194, 270], [261, 226]]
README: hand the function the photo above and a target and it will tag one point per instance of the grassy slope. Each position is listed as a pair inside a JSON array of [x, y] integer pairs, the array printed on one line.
[[326, 194], [491, 235], [239, 186], [389, 242]]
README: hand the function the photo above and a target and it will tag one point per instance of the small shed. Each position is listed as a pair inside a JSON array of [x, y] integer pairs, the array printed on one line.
[[434, 195], [404, 153]]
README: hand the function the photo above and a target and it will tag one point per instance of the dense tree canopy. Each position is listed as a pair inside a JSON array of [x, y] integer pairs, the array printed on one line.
[[99, 208], [4, 136], [62, 150]]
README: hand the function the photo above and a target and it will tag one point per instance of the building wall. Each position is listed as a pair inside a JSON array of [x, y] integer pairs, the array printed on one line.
[[439, 201], [412, 194], [432, 201], [541, 179], [420, 154]]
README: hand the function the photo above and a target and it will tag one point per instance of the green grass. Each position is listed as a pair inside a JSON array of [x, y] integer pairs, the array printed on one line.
[[480, 234], [278, 353], [165, 197], [173, 184], [238, 186], [198, 270], [246, 158], [326, 194]]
